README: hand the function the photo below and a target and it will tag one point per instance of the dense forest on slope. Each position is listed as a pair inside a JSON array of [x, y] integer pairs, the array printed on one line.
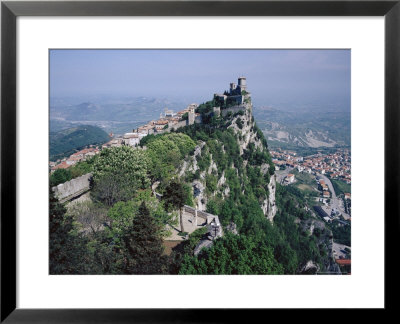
[[287, 245], [67, 141], [222, 165]]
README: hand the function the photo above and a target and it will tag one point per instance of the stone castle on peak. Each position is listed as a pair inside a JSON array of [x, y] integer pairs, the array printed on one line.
[[236, 95], [232, 101]]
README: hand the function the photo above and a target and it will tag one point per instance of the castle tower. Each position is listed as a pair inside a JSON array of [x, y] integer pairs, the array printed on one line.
[[242, 84], [191, 115], [233, 87]]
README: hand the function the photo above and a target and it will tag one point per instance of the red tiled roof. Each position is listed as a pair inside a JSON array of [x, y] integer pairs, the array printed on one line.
[[161, 122], [62, 165], [343, 261]]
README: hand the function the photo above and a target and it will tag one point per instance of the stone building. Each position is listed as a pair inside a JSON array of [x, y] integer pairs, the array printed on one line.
[[237, 93], [191, 115], [131, 139]]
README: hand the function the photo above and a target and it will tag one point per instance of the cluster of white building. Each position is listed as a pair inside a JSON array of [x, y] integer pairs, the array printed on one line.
[[168, 120], [337, 165]]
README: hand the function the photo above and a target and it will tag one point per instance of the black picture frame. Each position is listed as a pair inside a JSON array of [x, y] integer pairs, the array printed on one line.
[[10, 10]]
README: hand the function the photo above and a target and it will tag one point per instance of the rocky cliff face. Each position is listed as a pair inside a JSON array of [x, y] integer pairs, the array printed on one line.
[[199, 185], [243, 126], [268, 206], [247, 135], [323, 236]]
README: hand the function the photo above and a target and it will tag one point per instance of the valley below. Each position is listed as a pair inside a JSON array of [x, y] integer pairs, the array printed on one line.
[[314, 128]]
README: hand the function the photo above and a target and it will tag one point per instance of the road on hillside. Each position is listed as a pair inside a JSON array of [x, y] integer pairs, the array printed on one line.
[[335, 203]]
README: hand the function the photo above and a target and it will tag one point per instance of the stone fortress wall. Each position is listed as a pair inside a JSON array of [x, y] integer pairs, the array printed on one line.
[[72, 189], [233, 110], [183, 123]]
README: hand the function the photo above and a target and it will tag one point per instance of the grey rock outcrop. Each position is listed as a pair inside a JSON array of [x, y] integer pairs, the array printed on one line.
[[247, 135], [269, 204], [199, 194], [232, 228], [243, 125], [310, 268]]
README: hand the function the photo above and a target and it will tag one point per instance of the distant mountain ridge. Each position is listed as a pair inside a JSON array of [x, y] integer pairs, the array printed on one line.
[[140, 108], [117, 116], [304, 126]]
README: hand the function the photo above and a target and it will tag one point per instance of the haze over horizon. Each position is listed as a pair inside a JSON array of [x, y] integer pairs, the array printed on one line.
[[281, 78]]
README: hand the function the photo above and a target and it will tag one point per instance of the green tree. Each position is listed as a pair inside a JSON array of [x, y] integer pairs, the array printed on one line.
[[60, 176], [165, 158], [185, 144], [125, 160], [166, 153], [211, 183], [112, 188], [175, 196], [287, 257], [213, 207], [239, 123], [103, 256], [143, 244], [82, 167], [118, 173], [65, 249], [233, 254], [122, 213], [189, 195], [90, 216]]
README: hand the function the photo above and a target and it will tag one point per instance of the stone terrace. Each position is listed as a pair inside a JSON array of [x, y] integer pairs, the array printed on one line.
[[189, 223]]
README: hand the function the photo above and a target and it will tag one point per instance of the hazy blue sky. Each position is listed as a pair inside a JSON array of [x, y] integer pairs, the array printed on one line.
[[273, 76]]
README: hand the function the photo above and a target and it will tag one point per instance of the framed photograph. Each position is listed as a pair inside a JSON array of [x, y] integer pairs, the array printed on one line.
[[163, 158]]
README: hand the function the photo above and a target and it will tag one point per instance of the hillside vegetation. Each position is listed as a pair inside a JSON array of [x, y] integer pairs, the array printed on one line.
[[68, 141], [340, 187], [222, 166]]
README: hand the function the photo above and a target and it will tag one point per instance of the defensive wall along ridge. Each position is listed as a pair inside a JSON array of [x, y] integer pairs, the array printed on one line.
[[72, 189]]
